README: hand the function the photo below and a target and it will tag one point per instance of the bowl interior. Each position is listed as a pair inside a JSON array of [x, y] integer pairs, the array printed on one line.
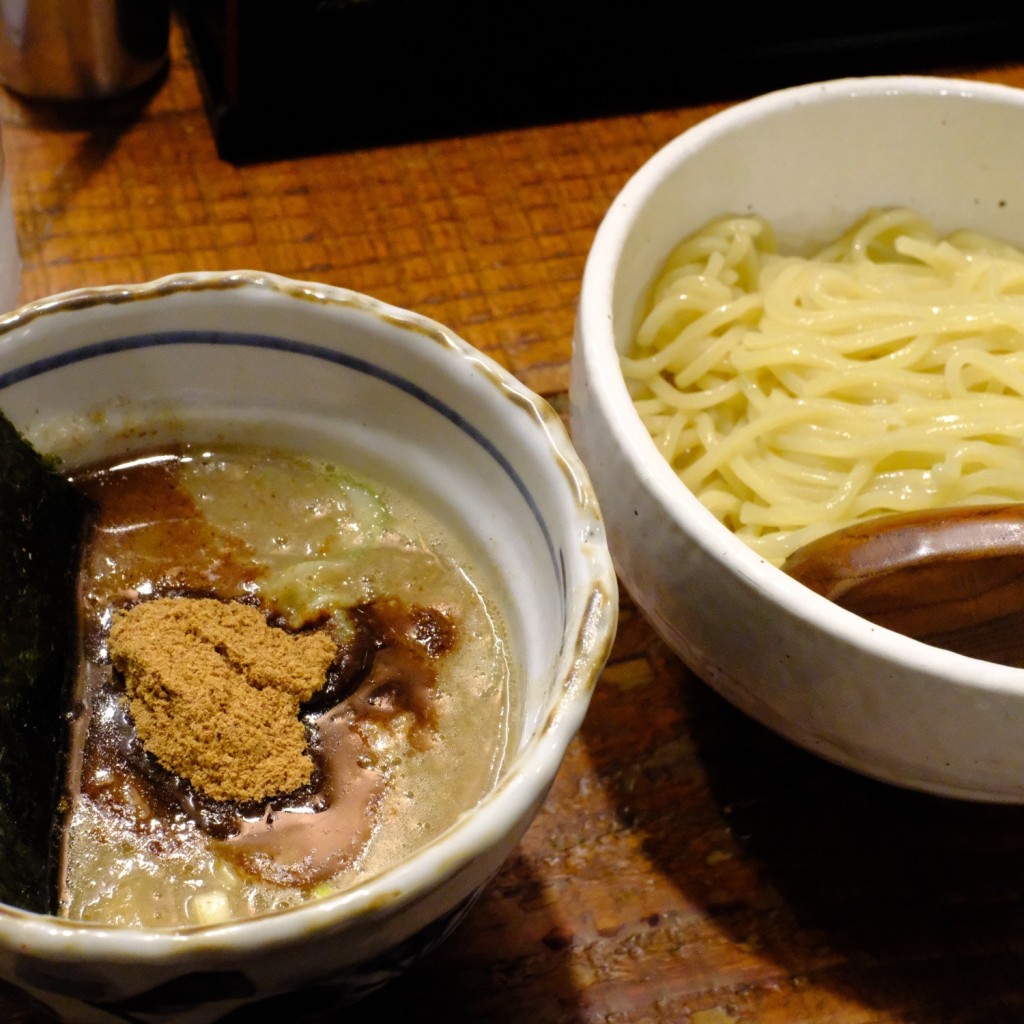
[[812, 159]]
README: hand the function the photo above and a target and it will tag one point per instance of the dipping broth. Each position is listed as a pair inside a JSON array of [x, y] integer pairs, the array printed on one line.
[[411, 728]]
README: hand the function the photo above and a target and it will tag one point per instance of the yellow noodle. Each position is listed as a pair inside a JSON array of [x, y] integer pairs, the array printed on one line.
[[796, 395]]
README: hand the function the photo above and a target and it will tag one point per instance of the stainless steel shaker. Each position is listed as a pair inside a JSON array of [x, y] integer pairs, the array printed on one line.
[[81, 49]]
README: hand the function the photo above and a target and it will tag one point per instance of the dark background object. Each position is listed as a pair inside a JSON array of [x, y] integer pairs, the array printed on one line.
[[286, 77]]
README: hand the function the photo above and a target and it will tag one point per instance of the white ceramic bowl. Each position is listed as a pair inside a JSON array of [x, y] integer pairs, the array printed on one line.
[[257, 358], [811, 159]]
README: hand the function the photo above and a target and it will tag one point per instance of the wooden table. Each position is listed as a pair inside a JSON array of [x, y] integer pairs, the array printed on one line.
[[688, 866]]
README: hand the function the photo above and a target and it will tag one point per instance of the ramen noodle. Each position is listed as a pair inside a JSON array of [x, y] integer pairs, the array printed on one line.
[[796, 395]]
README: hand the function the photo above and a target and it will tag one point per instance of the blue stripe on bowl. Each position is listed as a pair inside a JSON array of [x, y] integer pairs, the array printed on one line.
[[96, 350]]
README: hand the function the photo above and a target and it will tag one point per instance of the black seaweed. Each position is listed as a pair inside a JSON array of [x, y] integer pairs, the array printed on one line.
[[42, 522]]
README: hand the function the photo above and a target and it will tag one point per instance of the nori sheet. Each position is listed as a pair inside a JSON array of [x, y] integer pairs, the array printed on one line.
[[42, 522]]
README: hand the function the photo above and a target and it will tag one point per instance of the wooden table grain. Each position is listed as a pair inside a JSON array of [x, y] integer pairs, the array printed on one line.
[[688, 865]]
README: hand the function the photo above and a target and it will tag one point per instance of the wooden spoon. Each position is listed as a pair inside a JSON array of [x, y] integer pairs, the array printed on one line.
[[952, 577]]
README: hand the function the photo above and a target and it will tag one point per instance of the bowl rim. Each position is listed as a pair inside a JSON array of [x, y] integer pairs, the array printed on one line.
[[591, 619], [596, 348]]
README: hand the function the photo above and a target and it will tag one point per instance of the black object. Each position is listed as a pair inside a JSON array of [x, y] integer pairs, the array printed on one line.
[[285, 77], [42, 519]]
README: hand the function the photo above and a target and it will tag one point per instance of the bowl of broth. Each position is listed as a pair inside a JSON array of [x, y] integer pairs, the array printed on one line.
[[800, 316], [332, 596]]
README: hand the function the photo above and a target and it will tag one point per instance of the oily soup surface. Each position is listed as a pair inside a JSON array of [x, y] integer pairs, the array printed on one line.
[[410, 729]]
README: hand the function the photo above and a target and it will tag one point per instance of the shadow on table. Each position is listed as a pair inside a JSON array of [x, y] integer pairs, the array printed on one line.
[[99, 127], [490, 969], [907, 903]]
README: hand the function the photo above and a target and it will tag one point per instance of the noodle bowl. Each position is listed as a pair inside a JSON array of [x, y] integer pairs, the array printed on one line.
[[812, 160], [796, 395]]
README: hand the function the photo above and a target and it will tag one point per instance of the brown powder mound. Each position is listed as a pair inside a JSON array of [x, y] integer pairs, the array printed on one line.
[[215, 693]]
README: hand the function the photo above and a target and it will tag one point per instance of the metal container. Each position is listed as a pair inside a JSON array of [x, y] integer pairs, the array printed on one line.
[[81, 49]]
